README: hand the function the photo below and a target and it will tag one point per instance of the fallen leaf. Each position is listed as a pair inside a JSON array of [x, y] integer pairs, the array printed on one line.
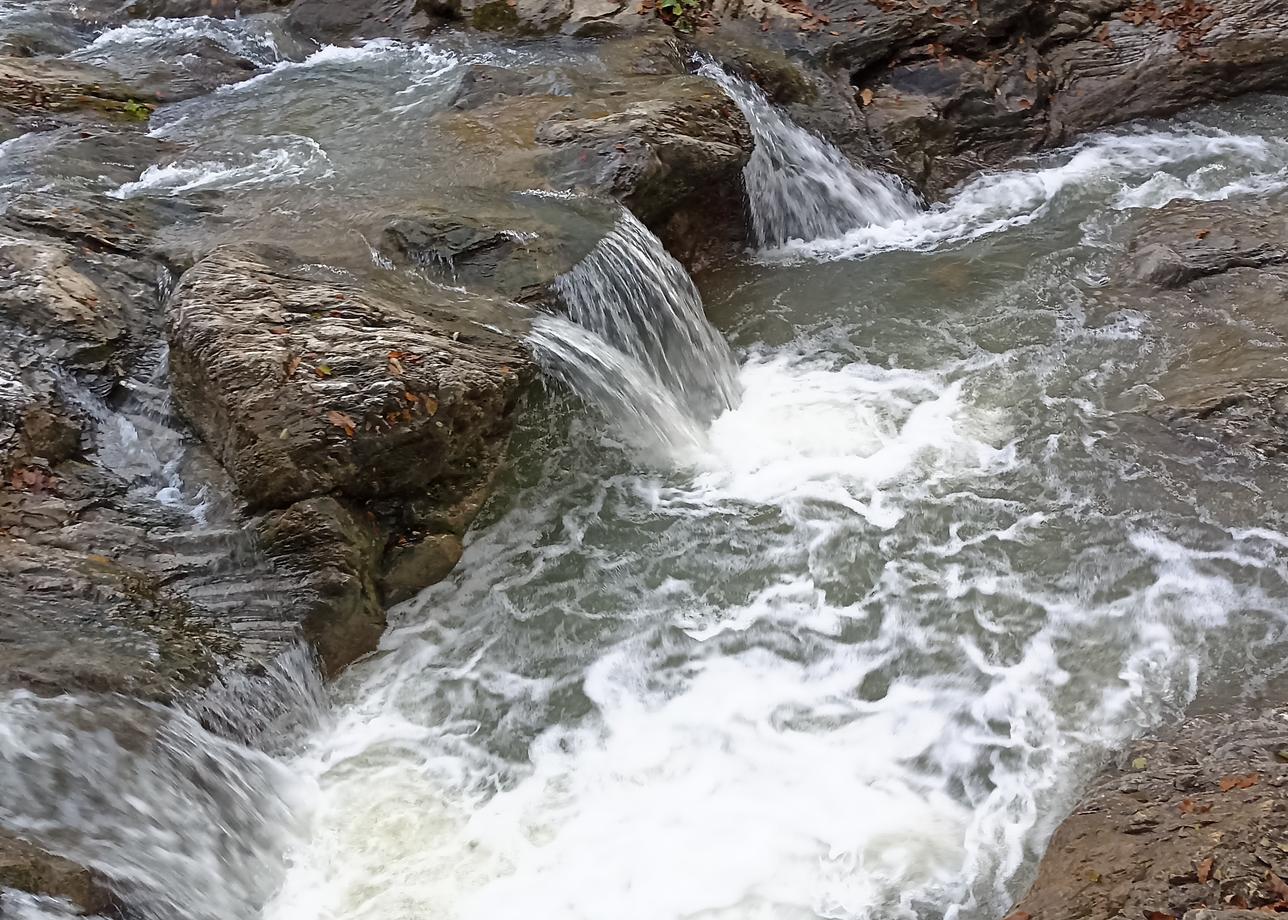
[[1026, 103], [866, 96], [1139, 763], [279, 330], [1032, 74], [1093, 876], [323, 370], [1020, 915], [1158, 915], [1201, 234], [1282, 755], [1204, 870], [1191, 807], [340, 420], [99, 560], [431, 405], [1239, 782], [292, 365], [1277, 885]]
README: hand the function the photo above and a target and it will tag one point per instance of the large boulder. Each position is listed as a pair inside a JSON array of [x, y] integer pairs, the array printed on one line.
[[360, 419]]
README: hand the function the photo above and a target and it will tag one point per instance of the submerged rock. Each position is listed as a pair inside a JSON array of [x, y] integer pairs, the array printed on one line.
[[1217, 274]]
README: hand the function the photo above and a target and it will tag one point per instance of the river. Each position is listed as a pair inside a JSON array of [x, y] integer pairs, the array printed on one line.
[[830, 621]]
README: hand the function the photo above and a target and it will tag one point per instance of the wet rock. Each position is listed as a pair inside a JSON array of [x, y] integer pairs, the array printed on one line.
[[1184, 821], [515, 245], [30, 85], [336, 21], [669, 147], [1216, 275], [950, 88], [310, 388], [28, 868]]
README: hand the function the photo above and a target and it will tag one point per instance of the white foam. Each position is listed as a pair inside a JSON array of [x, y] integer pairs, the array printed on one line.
[[1122, 166], [818, 428], [249, 38], [286, 160]]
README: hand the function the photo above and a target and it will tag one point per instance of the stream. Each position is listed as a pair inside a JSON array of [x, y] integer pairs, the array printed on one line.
[[825, 609]]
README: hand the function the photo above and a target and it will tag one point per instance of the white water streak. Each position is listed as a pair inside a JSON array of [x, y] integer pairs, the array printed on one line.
[[799, 187]]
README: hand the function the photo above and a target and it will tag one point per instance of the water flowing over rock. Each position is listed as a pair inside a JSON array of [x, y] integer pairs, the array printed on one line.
[[639, 345], [800, 187]]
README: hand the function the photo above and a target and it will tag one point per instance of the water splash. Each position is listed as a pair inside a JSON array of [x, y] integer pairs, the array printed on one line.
[[640, 345], [799, 187], [183, 823]]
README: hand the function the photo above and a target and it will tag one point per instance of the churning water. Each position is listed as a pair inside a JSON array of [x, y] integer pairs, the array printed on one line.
[[831, 621]]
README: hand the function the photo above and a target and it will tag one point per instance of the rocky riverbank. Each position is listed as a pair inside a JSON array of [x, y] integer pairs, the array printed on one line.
[[224, 432]]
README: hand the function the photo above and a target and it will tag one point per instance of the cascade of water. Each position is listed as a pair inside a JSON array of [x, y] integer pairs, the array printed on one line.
[[639, 344], [799, 187]]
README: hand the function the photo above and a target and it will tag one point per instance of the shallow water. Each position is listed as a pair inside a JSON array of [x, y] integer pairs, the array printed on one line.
[[847, 649]]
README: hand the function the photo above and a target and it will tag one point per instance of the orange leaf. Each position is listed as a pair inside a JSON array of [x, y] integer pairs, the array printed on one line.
[[1204, 870], [866, 96], [1191, 807], [340, 420], [1277, 885], [1158, 915], [1239, 782]]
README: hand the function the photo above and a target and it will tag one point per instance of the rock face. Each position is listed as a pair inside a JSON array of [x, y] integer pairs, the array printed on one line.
[[1218, 274], [1193, 819], [351, 415], [953, 87]]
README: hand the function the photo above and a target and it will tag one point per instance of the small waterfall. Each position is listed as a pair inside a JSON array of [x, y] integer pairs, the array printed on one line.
[[799, 187], [639, 344]]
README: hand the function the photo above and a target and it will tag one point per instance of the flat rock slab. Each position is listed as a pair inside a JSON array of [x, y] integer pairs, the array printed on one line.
[[1215, 275], [1193, 821]]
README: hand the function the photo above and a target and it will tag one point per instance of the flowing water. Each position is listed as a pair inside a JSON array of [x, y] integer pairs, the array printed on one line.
[[831, 620]]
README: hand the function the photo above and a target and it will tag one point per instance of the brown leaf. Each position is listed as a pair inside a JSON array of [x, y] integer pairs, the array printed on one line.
[[340, 420], [292, 365], [395, 366], [1202, 234], [30, 479], [279, 330], [1158, 915], [1032, 74], [1204, 870], [1019, 915], [1277, 886], [1239, 782], [1191, 807], [1026, 103], [431, 405], [866, 96]]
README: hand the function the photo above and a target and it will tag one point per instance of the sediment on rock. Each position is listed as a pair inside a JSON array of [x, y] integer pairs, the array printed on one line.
[[1190, 823], [1218, 273], [338, 410]]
